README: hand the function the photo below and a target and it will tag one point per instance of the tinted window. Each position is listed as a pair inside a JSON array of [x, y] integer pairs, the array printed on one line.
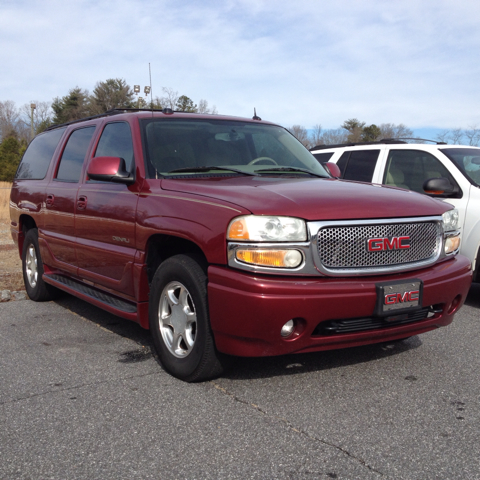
[[361, 165], [467, 160], [74, 154], [411, 168], [323, 157], [35, 161], [342, 162], [116, 141]]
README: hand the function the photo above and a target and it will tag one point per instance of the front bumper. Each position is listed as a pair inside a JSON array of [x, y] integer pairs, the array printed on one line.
[[247, 311]]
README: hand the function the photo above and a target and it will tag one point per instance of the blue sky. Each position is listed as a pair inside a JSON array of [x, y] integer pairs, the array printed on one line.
[[298, 62]]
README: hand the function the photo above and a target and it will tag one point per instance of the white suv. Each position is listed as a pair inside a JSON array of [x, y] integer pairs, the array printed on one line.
[[410, 166]]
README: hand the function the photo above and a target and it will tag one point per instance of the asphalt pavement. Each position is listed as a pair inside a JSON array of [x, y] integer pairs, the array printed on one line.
[[82, 397]]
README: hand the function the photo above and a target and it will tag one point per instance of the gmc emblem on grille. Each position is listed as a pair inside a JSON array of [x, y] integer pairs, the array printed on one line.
[[392, 243], [395, 298]]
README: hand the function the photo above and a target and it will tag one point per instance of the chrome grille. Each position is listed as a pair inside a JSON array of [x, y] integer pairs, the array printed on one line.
[[345, 247]]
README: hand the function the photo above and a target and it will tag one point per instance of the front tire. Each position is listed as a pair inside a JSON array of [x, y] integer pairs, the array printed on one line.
[[180, 323], [32, 267]]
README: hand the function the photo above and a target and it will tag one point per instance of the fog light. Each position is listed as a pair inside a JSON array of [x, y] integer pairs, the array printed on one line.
[[287, 329]]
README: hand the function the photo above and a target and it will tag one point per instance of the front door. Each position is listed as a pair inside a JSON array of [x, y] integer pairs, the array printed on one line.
[[105, 218]]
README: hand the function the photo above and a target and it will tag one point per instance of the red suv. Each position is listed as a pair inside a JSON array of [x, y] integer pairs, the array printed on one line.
[[224, 236]]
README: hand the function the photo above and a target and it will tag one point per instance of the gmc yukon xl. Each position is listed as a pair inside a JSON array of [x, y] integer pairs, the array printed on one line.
[[225, 237]]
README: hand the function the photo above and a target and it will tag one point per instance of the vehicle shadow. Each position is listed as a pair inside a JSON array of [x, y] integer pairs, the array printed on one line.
[[473, 297], [108, 321], [256, 368], [242, 368]]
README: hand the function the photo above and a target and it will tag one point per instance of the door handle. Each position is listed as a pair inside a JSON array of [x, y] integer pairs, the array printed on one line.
[[50, 200], [82, 202]]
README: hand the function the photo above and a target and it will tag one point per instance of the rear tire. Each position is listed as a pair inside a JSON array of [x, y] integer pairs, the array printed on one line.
[[32, 267], [180, 323]]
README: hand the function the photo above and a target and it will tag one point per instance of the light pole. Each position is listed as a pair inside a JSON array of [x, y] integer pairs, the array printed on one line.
[[136, 89], [32, 108]]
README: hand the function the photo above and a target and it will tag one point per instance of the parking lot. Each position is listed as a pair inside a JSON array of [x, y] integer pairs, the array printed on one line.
[[82, 397]]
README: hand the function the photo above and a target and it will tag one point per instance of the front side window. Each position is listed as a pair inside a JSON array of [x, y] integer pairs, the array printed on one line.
[[71, 163], [116, 141], [467, 160], [250, 148], [37, 158], [410, 169]]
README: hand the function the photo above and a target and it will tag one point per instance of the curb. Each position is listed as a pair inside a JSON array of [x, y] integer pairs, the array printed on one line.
[[7, 296]]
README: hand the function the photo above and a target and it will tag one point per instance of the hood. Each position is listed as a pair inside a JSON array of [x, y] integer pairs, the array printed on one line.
[[311, 198]]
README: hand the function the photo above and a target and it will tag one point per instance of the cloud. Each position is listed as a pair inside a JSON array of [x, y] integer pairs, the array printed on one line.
[[302, 62]]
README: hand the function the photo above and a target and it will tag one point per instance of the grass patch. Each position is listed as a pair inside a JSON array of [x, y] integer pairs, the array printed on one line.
[[5, 188]]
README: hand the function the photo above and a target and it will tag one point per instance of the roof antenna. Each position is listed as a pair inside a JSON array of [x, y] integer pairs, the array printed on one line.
[[255, 114], [151, 94]]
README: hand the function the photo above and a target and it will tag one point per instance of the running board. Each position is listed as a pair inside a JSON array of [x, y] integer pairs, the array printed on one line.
[[96, 297]]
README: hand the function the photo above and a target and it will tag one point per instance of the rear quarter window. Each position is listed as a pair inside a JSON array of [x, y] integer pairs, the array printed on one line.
[[37, 158]]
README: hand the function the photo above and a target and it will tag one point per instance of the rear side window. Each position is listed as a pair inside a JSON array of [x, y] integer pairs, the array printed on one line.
[[361, 165], [116, 141], [73, 156], [37, 158], [323, 157]]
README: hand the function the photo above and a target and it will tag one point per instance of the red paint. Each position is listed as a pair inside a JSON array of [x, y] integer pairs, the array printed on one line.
[[100, 233]]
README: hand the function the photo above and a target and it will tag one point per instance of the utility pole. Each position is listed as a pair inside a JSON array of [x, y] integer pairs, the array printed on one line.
[[32, 107]]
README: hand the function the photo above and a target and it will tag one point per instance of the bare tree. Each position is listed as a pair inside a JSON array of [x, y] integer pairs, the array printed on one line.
[[473, 135], [170, 99], [42, 116], [456, 136], [203, 108], [316, 135], [333, 137], [9, 119], [443, 136], [300, 132], [391, 130]]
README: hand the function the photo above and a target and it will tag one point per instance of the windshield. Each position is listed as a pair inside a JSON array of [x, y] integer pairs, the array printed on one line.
[[467, 160], [190, 145]]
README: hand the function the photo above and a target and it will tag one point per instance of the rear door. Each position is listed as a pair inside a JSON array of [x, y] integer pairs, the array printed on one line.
[[60, 200], [359, 165]]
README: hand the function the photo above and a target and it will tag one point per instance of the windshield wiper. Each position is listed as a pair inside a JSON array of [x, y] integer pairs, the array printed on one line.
[[210, 168], [289, 169]]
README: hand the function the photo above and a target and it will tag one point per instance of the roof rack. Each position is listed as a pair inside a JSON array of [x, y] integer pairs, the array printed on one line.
[[113, 111], [419, 140], [399, 140], [354, 144]]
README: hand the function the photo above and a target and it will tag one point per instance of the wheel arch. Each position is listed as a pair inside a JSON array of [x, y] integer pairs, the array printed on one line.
[[160, 247], [26, 223]]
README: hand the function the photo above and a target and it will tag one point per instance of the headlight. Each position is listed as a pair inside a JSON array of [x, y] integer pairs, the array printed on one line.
[[255, 228], [450, 220]]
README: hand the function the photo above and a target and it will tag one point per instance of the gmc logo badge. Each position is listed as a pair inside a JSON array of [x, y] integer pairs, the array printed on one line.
[[393, 243], [396, 298]]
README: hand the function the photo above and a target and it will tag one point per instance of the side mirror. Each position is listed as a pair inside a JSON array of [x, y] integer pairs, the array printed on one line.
[[333, 169], [109, 169], [438, 186]]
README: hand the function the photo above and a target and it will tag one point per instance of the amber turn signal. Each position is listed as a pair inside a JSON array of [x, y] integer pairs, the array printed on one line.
[[452, 243], [270, 258]]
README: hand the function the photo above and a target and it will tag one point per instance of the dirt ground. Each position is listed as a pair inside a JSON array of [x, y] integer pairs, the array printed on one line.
[[10, 264]]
